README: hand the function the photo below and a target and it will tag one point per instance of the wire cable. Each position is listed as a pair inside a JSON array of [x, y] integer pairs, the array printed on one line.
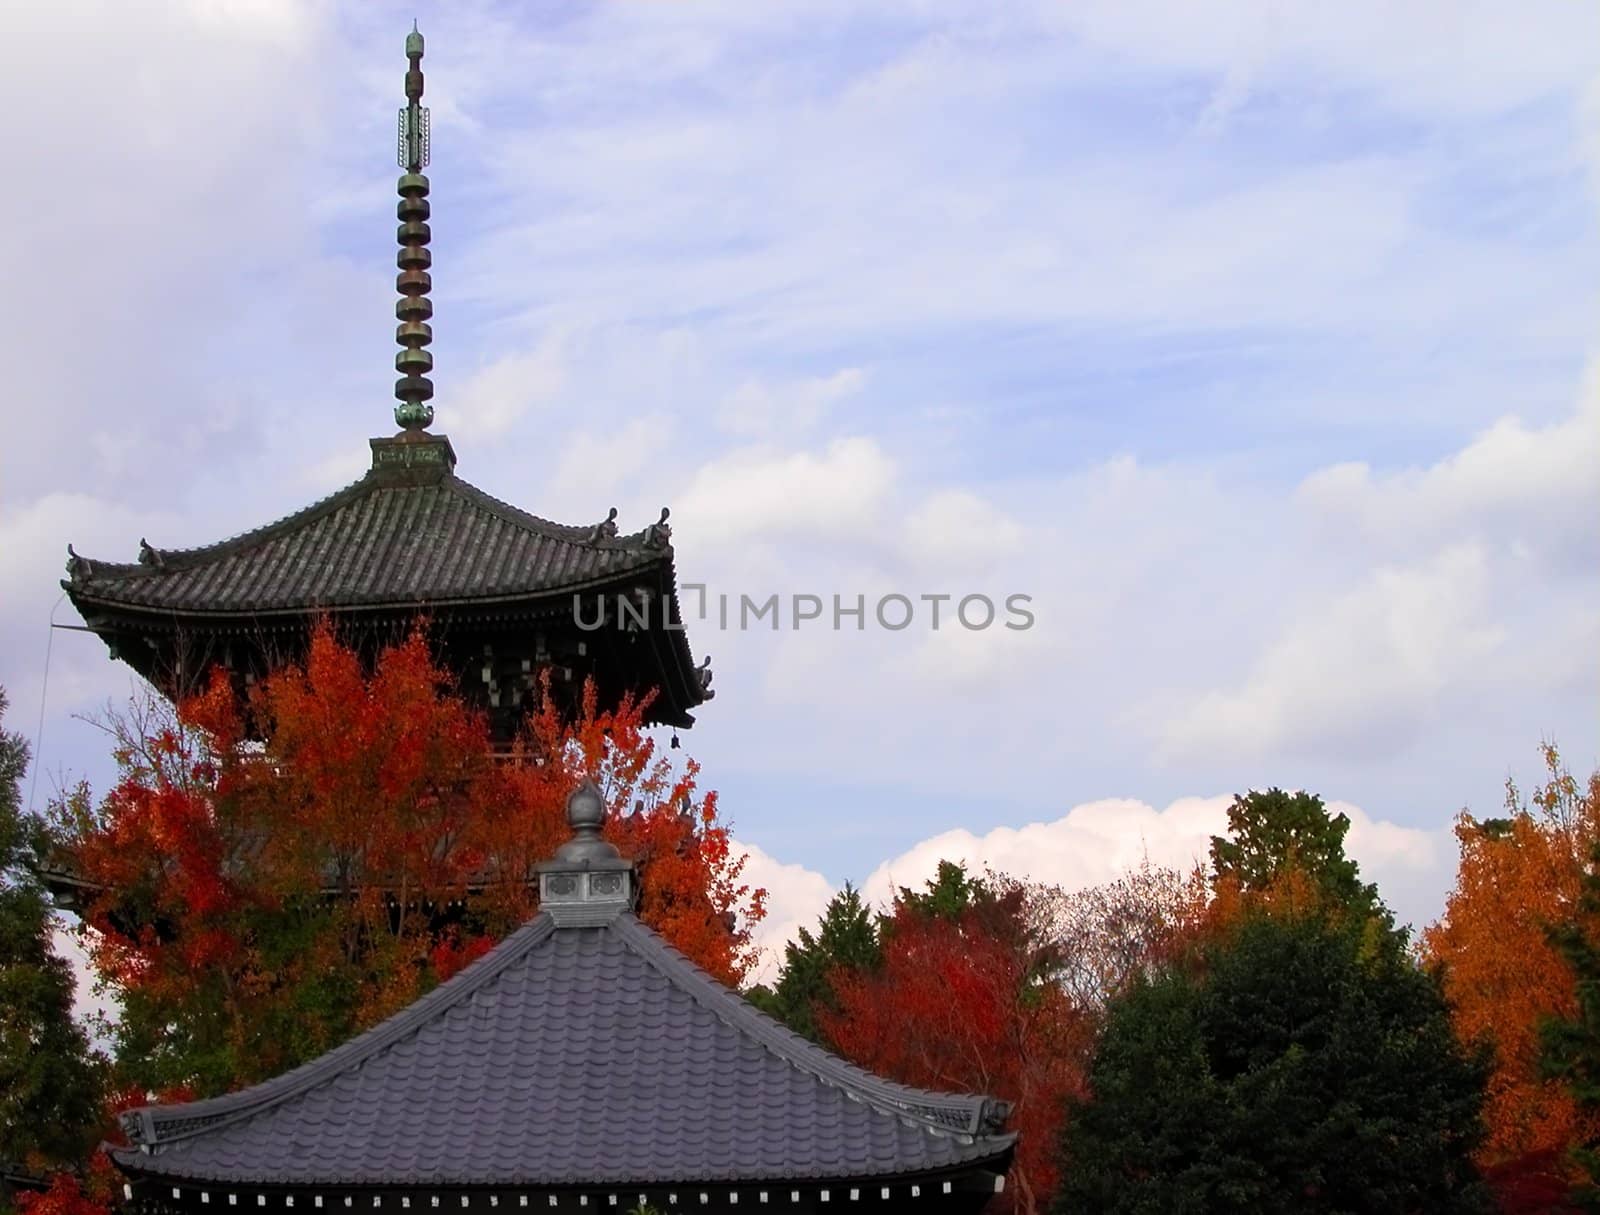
[[44, 694]]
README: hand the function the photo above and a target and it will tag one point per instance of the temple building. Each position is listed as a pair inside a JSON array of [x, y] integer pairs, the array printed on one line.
[[583, 1064], [508, 597]]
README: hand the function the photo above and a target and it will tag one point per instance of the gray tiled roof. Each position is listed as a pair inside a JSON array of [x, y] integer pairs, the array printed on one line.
[[570, 1056], [375, 543]]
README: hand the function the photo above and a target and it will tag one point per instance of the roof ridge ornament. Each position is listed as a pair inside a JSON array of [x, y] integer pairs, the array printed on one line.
[[659, 533], [413, 389], [606, 530], [588, 882], [78, 565]]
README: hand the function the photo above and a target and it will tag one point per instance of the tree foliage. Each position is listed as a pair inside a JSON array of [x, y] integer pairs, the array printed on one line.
[[846, 940], [963, 1000], [49, 1079], [262, 901], [1570, 1044], [985, 983], [1106, 937], [1570, 1038], [1514, 929], [1277, 840], [92, 1190], [1291, 1069], [1292, 1058]]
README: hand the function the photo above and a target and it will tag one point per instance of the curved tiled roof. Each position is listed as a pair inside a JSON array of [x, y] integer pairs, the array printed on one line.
[[593, 1055], [375, 543]]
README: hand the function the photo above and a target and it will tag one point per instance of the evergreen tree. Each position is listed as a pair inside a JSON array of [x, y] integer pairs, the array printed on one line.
[[1272, 833], [947, 895], [1292, 1069], [1571, 1047], [49, 1079], [846, 937]]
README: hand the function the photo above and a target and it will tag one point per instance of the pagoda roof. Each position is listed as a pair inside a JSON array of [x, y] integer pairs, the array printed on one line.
[[402, 537], [575, 1055]]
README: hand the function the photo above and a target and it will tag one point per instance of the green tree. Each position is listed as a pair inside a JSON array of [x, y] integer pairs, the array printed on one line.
[[1274, 833], [1570, 1048], [49, 1078], [948, 894], [1289, 1069], [846, 937]]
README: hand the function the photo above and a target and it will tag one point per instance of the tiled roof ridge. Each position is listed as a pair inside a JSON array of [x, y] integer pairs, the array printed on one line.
[[156, 560], [186, 557], [585, 534], [144, 1126], [976, 1115]]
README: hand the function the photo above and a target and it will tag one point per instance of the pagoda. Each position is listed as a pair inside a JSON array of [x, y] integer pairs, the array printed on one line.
[[581, 1065], [514, 603]]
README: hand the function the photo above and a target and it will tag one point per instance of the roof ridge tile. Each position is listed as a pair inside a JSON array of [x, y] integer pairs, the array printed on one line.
[[897, 1099], [144, 1126], [425, 1097]]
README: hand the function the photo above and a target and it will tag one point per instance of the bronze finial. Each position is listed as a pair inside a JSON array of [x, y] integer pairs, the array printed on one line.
[[413, 389]]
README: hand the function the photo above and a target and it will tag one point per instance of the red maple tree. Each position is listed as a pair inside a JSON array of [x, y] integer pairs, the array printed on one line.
[[265, 893], [966, 1000]]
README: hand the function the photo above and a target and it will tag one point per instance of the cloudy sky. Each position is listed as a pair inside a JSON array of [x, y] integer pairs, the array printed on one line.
[[1256, 342]]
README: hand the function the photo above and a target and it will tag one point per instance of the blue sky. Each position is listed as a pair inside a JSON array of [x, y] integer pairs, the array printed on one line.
[[1253, 340]]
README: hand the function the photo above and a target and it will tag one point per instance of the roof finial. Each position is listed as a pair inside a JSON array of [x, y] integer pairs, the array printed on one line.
[[414, 389], [588, 881]]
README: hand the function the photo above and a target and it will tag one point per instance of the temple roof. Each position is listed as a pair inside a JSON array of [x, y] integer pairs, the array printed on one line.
[[396, 538], [576, 1053], [410, 538]]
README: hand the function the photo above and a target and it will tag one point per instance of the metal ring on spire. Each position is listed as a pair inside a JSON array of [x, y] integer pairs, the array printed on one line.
[[413, 389]]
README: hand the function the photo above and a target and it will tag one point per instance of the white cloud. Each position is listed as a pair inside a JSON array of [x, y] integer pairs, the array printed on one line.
[[762, 495], [957, 531], [796, 899], [1589, 136], [1360, 674], [978, 660], [202, 122], [1433, 59], [761, 407], [271, 21], [1090, 844], [593, 461], [1098, 841], [1535, 487], [495, 397], [34, 540], [1095, 843], [1410, 618]]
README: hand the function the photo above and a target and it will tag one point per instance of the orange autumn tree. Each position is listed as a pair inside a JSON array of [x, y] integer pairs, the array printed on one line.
[[265, 893], [1519, 876]]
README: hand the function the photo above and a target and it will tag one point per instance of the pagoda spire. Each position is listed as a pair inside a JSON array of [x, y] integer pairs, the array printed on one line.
[[413, 389]]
